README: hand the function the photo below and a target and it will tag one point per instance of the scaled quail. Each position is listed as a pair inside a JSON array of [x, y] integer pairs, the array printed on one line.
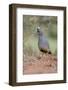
[[43, 42]]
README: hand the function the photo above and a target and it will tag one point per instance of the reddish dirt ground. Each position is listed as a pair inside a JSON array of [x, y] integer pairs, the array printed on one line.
[[40, 65]]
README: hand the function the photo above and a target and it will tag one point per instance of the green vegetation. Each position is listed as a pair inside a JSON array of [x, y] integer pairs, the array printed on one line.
[[48, 25]]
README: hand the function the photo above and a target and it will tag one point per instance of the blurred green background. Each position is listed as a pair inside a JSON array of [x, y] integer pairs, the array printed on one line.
[[48, 25]]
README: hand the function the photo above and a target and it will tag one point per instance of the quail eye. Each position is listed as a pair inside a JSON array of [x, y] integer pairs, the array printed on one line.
[[38, 29]]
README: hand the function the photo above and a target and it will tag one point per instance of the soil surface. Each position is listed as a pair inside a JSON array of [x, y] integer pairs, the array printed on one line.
[[40, 65]]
